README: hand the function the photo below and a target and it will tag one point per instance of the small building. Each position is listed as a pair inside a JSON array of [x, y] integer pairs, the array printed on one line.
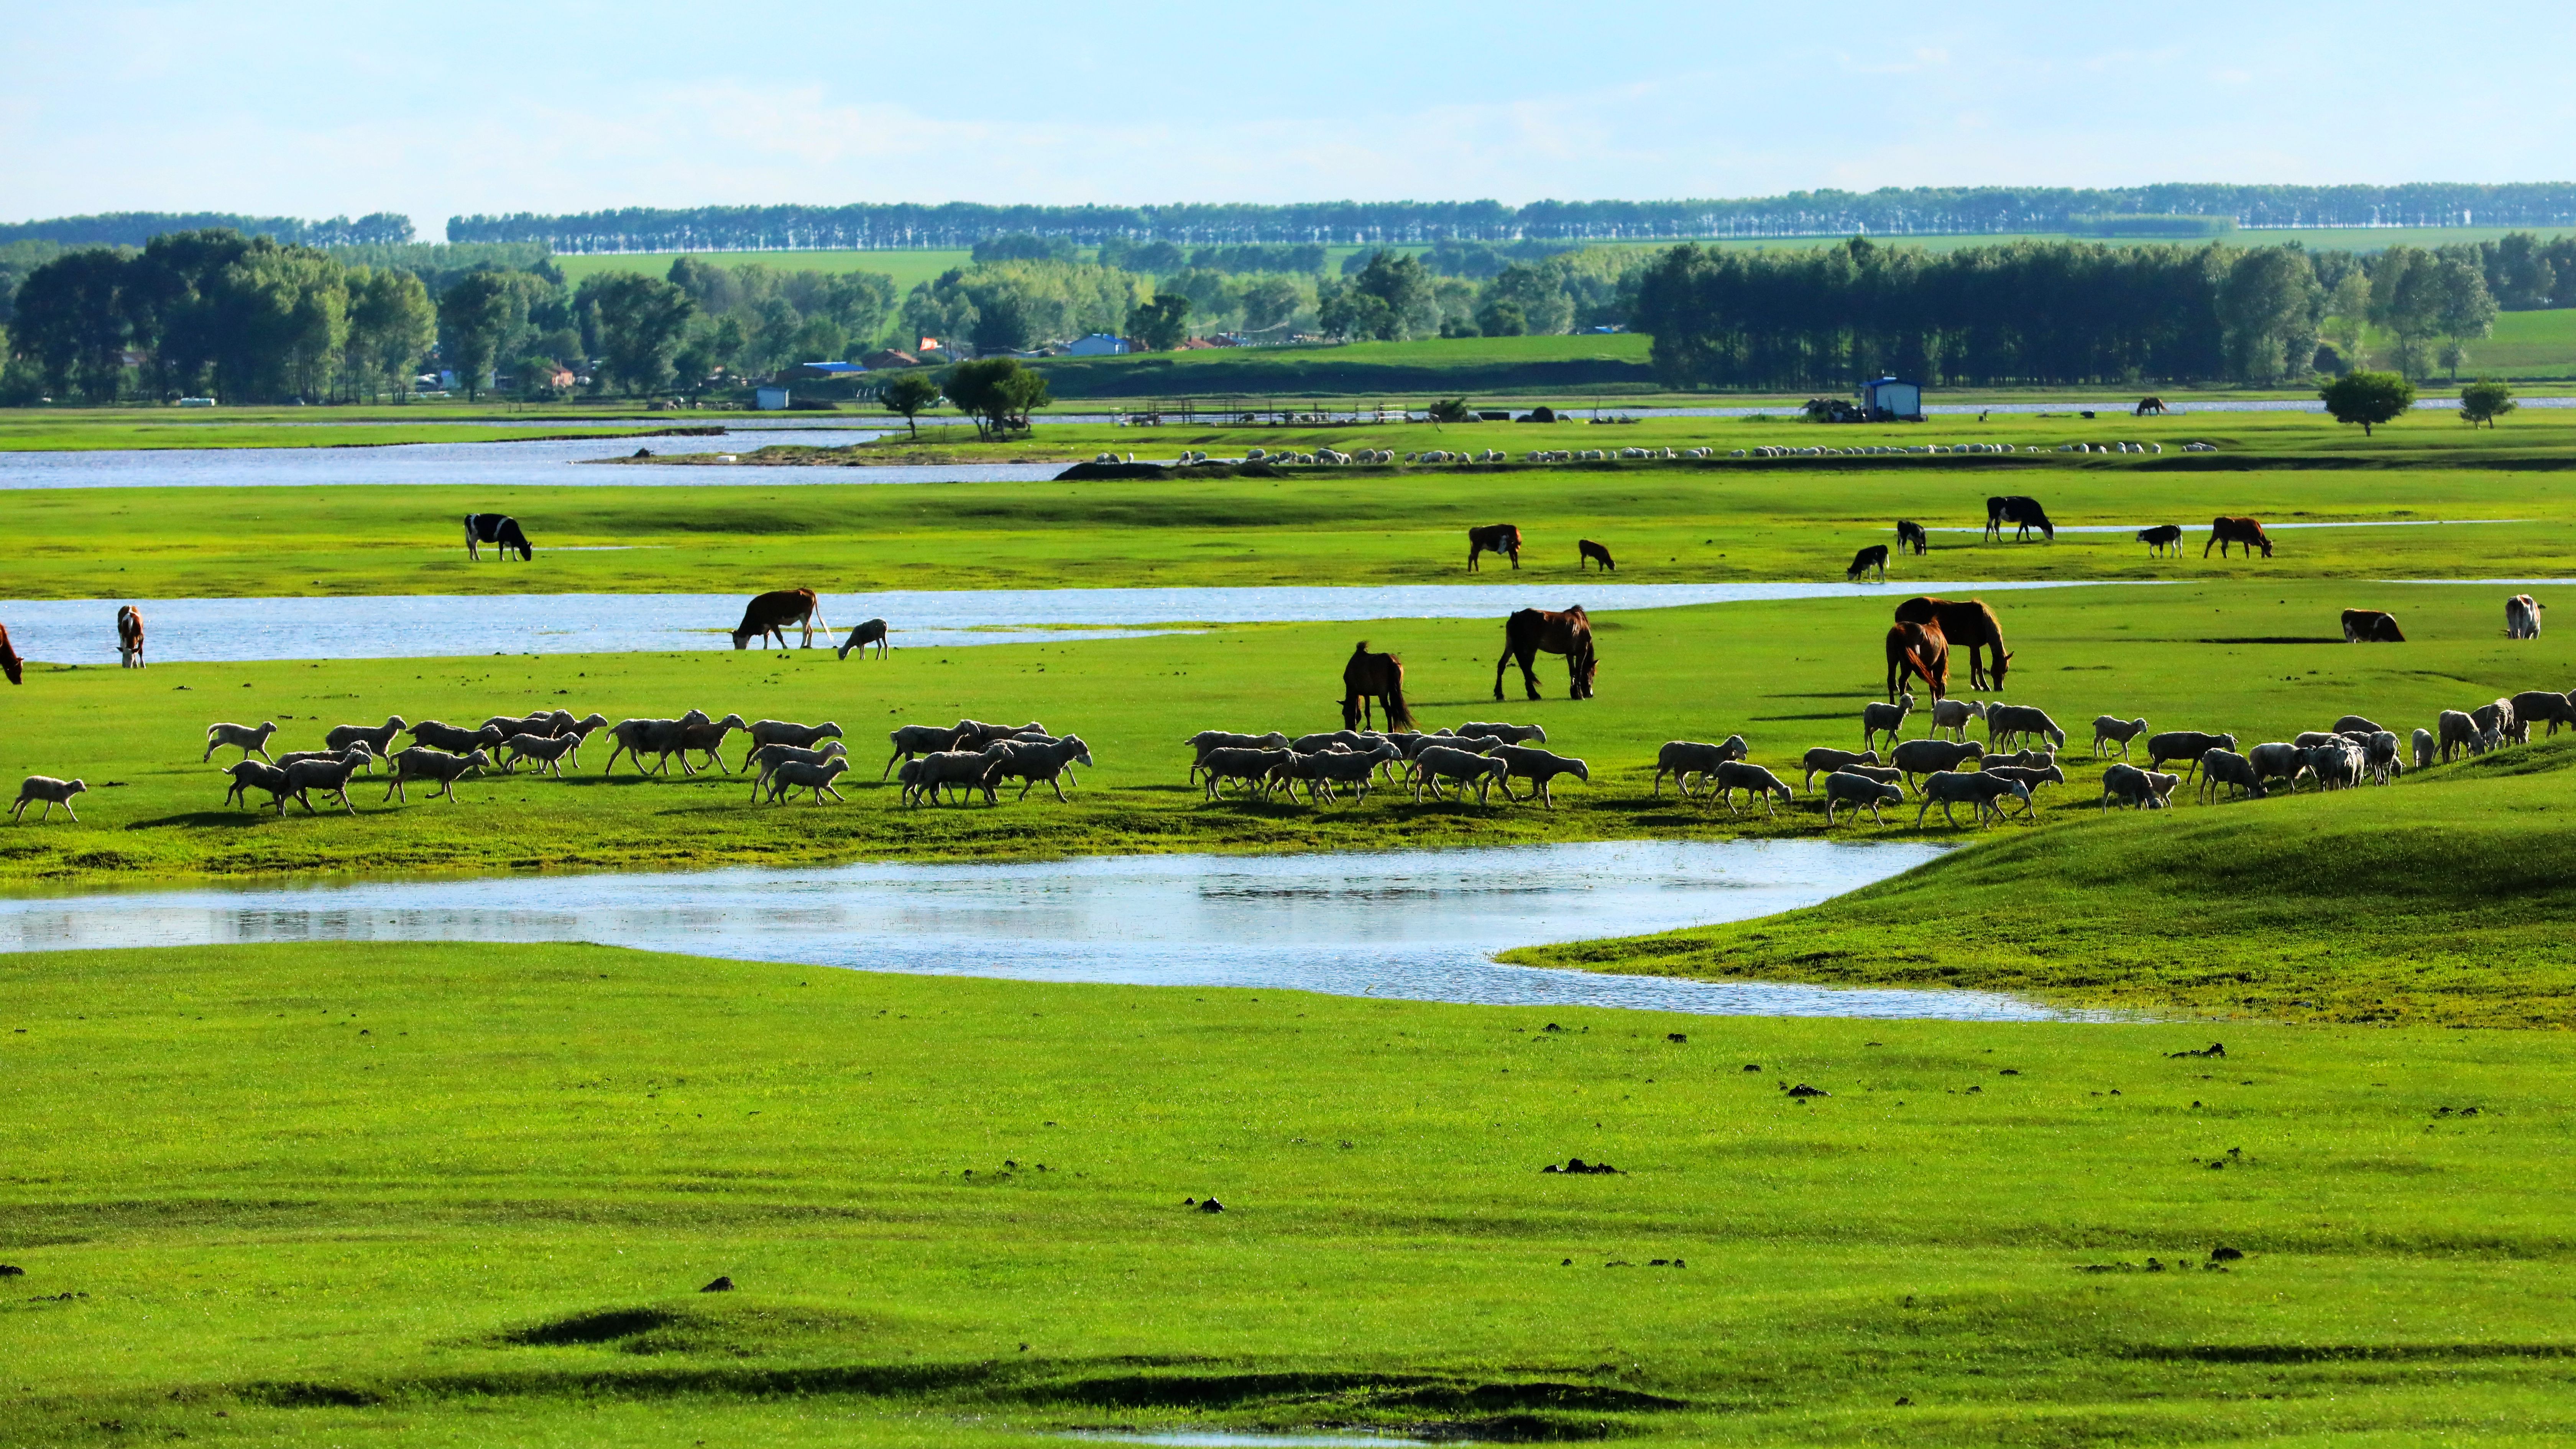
[[1096, 344], [769, 399], [816, 371], [1886, 399]]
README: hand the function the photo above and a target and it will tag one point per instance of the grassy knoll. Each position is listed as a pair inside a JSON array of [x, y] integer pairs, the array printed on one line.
[[359, 1195]]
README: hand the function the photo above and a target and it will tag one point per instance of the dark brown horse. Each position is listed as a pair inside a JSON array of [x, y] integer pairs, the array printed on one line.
[[2148, 405], [1966, 624], [1586, 551], [1919, 650], [1568, 633], [1375, 678], [767, 616], [8, 656], [1494, 538]]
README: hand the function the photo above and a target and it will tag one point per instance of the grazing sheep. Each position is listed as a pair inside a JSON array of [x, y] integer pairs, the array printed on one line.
[[1875, 717], [52, 792], [794, 775], [1682, 759], [251, 741], [784, 732], [2459, 732], [964, 770], [377, 738], [1230, 762], [423, 763], [770, 757], [1861, 793], [448, 739], [1309, 744], [1754, 781], [2185, 745], [2381, 751], [329, 776], [636, 737], [1510, 734], [2024, 759], [2423, 749], [1031, 762], [702, 736], [2276, 761], [1442, 763], [2007, 723], [2310, 739], [1927, 757], [2522, 617], [1827, 759], [2355, 724], [975, 734], [2337, 765], [1539, 767], [549, 751], [249, 775], [1946, 788], [1953, 715], [2147, 789], [2109, 731], [2225, 767], [2494, 721]]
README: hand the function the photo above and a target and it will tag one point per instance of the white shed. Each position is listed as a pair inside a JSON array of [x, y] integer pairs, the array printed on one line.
[[770, 399], [1882, 398], [1097, 344]]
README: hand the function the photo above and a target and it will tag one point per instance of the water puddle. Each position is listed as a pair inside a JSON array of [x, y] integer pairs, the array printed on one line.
[[430, 626], [1406, 925]]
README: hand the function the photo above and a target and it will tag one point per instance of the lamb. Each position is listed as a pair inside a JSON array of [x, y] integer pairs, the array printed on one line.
[[1754, 781], [770, 757], [329, 776], [783, 732], [1230, 762], [1875, 717], [2007, 723], [635, 737], [2495, 721], [251, 741], [2423, 749], [1032, 762], [422, 763], [2185, 745], [792, 776], [1682, 759], [1926, 757], [449, 739], [1539, 767], [1953, 715], [1829, 760], [2225, 767], [968, 770], [2108, 730], [2534, 705], [2276, 762], [1946, 788], [1510, 734], [703, 736], [1860, 792], [549, 751], [2149, 789], [249, 775], [2459, 732], [1325, 769], [1439, 763], [377, 738], [52, 792]]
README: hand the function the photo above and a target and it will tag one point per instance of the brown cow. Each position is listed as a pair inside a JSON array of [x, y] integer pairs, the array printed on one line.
[[1968, 624], [1922, 651], [129, 637], [767, 616], [2370, 626], [2247, 531]]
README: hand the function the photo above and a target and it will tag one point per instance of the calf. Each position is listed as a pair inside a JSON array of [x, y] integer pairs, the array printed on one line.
[[1872, 557], [497, 528], [2371, 626], [2109, 730], [1910, 537], [2165, 538]]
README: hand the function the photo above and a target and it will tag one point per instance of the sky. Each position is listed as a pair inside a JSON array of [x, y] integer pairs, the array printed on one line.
[[295, 109]]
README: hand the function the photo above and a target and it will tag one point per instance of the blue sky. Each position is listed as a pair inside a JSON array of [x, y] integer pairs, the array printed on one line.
[[288, 108]]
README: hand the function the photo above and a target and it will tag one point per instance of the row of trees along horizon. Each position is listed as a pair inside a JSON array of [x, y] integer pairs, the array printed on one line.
[[250, 319]]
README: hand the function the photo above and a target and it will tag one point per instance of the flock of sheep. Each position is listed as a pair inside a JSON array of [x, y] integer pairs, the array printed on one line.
[[1481, 755]]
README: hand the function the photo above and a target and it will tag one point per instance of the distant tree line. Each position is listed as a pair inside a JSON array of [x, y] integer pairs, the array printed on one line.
[[135, 228], [1892, 211]]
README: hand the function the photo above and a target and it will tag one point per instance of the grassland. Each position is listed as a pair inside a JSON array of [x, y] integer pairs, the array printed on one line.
[[383, 1195], [908, 268]]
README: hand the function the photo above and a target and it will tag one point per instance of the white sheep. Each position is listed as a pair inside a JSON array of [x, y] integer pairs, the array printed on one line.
[[770, 757], [420, 762], [1860, 792], [792, 776], [51, 791], [1953, 715], [2109, 730], [549, 751], [1539, 767], [1828, 760], [1441, 762], [1754, 781], [1946, 788], [1682, 759], [252, 741], [2423, 749], [1875, 717]]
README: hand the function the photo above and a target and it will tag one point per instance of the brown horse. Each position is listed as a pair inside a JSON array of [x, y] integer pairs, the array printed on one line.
[[8, 656], [1921, 651], [1494, 538], [2148, 405], [767, 617], [1375, 678], [1586, 551], [1967, 624], [1568, 633], [129, 637]]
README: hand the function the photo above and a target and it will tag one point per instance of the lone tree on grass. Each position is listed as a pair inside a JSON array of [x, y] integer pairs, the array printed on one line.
[[2484, 401], [997, 393], [911, 395], [1160, 324], [2368, 398]]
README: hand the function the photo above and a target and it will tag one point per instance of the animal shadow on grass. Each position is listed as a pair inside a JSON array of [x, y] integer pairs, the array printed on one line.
[[1840, 714], [2278, 639]]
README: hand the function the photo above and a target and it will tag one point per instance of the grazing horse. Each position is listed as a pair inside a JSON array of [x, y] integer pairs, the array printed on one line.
[[1374, 678], [2148, 405], [129, 637], [2371, 626], [2019, 510], [1910, 537], [871, 632], [1495, 538], [767, 616], [2162, 538], [1921, 651], [1586, 551], [8, 656], [1568, 633], [1872, 557], [1968, 624], [500, 528], [2247, 531]]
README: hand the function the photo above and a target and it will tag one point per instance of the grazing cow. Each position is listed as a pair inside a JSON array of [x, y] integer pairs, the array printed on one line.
[[1965, 624], [2185, 745], [498, 528], [1910, 537], [2022, 512], [1586, 552], [2522, 617], [1872, 557], [2163, 538], [2371, 626], [2108, 729], [1920, 650], [871, 632], [9, 663], [129, 638], [1503, 538], [1859, 792], [1530, 631], [768, 615], [1378, 679], [2247, 531]]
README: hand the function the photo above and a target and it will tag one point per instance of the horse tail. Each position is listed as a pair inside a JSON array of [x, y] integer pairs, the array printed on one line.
[[1398, 716]]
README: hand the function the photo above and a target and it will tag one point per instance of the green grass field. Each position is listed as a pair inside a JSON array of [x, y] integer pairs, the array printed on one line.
[[908, 268], [394, 1195]]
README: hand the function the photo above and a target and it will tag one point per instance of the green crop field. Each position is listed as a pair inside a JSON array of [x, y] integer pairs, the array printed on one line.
[[907, 267]]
